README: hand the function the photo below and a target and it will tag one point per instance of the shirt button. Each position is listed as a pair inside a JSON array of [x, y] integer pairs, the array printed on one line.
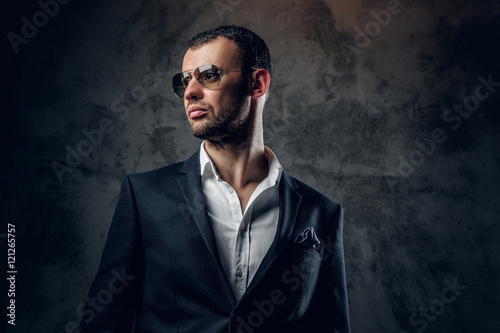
[[230, 190], [239, 273], [242, 228]]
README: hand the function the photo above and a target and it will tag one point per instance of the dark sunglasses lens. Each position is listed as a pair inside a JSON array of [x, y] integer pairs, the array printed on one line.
[[178, 85], [209, 77]]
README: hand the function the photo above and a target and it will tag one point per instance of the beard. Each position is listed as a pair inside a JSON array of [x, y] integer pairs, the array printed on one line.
[[229, 127]]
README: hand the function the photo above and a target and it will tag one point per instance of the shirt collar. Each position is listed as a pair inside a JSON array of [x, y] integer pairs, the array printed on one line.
[[207, 167]]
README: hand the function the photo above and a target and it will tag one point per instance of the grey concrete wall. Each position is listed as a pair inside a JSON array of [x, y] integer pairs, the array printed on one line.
[[368, 120]]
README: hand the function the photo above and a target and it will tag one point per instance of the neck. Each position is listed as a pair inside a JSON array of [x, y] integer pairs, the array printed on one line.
[[239, 165], [240, 162]]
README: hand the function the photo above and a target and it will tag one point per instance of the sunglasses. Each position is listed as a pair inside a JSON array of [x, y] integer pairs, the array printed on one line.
[[207, 75]]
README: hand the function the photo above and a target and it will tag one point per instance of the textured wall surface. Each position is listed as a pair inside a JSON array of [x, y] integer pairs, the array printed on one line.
[[389, 108]]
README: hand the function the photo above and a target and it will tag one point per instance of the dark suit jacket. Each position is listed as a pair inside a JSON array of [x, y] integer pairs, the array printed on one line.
[[160, 270]]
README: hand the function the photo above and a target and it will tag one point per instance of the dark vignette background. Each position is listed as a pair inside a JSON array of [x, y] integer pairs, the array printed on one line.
[[342, 126]]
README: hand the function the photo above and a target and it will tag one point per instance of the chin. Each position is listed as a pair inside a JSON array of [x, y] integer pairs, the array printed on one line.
[[199, 131]]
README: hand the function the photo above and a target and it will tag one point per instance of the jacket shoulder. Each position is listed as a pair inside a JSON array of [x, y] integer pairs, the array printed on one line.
[[312, 195], [171, 169], [155, 177]]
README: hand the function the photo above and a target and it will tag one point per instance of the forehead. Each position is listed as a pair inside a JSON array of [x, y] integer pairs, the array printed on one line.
[[220, 52]]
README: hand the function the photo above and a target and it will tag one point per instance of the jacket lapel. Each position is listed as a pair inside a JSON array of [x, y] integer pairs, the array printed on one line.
[[289, 203], [189, 180]]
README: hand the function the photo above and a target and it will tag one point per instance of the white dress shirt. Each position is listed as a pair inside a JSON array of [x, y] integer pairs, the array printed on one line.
[[242, 239]]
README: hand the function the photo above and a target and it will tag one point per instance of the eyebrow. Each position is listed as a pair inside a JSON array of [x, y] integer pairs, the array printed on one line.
[[192, 69]]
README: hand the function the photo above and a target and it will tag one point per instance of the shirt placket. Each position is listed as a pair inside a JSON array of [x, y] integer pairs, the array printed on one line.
[[242, 244]]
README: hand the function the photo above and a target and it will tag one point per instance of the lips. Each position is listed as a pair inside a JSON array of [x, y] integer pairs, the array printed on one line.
[[195, 111]]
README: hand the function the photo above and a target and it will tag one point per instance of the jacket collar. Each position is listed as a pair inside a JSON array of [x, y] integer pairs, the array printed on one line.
[[289, 207], [189, 180]]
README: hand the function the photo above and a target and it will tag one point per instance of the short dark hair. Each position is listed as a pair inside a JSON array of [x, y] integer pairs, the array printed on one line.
[[252, 48]]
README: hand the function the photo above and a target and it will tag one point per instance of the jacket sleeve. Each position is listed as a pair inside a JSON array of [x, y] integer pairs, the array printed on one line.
[[114, 293], [329, 311]]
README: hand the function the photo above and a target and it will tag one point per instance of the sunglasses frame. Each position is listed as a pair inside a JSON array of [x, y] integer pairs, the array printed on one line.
[[196, 74]]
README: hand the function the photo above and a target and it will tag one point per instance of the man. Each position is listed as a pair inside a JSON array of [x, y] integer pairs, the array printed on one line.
[[226, 241]]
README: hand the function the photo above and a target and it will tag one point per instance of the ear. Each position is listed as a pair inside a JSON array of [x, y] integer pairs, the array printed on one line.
[[259, 83]]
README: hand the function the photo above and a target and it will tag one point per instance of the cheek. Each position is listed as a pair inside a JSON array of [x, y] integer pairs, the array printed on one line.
[[215, 99]]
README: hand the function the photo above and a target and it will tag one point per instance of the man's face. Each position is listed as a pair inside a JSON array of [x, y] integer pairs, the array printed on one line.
[[219, 115]]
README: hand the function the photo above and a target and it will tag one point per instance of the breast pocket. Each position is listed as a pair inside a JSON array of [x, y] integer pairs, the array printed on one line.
[[299, 280], [284, 294]]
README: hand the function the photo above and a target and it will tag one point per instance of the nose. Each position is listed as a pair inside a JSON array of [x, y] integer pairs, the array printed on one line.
[[194, 90]]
